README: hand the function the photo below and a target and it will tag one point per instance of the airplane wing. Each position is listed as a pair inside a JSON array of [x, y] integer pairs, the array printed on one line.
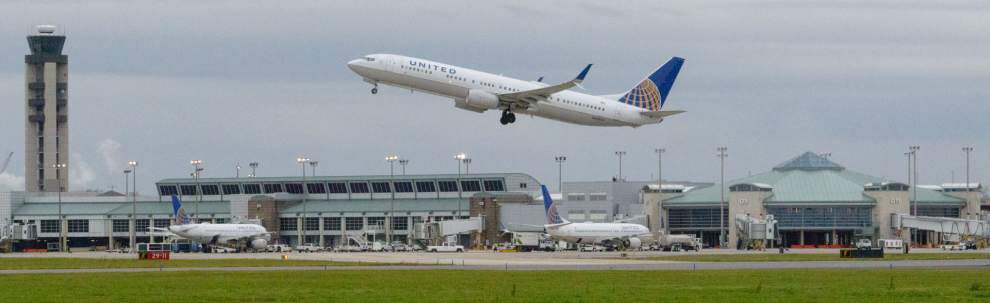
[[524, 99]]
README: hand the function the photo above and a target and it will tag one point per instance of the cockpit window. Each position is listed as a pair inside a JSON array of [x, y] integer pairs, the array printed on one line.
[[369, 59]]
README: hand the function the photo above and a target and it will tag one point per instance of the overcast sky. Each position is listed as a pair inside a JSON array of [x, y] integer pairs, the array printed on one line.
[[163, 82]]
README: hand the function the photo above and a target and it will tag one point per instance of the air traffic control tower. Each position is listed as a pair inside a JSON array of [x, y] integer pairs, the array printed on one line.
[[46, 131]]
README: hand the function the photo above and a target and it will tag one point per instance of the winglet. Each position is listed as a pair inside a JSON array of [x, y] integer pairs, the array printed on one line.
[[580, 77]]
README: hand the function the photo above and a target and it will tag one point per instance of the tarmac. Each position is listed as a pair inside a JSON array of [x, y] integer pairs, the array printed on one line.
[[487, 260]]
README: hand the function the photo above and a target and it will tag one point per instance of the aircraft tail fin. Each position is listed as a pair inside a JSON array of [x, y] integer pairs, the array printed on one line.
[[651, 93], [553, 217], [179, 212]]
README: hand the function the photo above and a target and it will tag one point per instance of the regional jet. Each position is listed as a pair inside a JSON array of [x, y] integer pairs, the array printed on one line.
[[619, 236], [251, 236], [479, 91]]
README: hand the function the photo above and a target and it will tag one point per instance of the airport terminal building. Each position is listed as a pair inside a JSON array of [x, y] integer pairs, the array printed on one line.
[[319, 210], [815, 201]]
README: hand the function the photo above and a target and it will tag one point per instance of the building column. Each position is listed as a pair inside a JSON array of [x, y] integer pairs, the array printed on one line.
[[802, 237], [301, 237], [322, 243], [109, 227]]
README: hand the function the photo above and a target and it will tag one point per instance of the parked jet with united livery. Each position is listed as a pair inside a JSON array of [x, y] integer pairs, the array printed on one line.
[[479, 91], [251, 236], [620, 236]]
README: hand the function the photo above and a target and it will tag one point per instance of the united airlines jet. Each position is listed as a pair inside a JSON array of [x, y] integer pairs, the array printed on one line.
[[252, 236], [479, 91], [620, 236]]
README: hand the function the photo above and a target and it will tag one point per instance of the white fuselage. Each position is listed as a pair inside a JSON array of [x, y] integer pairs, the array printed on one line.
[[455, 82], [596, 233], [206, 233]]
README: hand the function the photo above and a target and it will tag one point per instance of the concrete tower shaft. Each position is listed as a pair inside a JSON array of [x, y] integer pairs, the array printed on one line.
[[46, 132]]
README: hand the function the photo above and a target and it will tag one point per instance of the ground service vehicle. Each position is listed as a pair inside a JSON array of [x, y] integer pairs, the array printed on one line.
[[445, 247]]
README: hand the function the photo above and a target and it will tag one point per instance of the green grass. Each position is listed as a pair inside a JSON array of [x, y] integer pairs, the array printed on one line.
[[76, 263], [773, 257], [822, 285]]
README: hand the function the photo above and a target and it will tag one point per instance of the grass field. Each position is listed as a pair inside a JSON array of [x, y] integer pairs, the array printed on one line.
[[830, 285], [74, 263], [816, 257]]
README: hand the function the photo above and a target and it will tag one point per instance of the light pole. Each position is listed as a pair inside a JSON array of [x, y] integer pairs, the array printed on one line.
[[908, 154], [721, 205], [914, 189], [313, 164], [301, 225], [659, 152], [197, 170], [131, 223], [237, 168], [459, 158], [61, 220], [967, 150], [391, 158], [467, 166], [133, 168], [403, 162], [560, 172], [620, 154], [254, 167]]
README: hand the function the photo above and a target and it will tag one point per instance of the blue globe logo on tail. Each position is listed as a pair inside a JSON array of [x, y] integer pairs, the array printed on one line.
[[179, 212], [551, 210], [651, 93]]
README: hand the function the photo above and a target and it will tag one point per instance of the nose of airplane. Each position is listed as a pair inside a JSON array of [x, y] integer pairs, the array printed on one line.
[[353, 64]]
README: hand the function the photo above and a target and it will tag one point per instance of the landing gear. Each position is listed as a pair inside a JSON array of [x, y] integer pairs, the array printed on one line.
[[507, 117], [374, 90]]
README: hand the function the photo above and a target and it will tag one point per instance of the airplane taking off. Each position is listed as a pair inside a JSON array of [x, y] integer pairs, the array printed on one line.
[[479, 91], [252, 236], [619, 236]]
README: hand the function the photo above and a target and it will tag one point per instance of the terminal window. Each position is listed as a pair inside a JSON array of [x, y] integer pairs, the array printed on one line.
[[162, 223], [311, 223], [400, 223], [354, 223], [273, 188], [287, 224], [141, 225], [294, 188], [316, 188], [210, 190], [188, 190], [252, 189], [167, 190], [78, 226], [494, 185], [359, 187], [425, 187], [121, 226], [338, 188], [49, 226], [448, 186], [381, 187], [403, 187], [332, 223], [231, 189], [471, 185]]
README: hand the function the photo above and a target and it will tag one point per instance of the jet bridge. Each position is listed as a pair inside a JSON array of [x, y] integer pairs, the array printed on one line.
[[954, 226], [754, 232]]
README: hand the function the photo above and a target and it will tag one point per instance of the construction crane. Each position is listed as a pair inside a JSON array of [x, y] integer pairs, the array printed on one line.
[[6, 162]]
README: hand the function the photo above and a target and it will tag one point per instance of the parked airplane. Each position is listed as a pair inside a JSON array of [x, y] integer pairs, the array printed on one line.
[[619, 236], [252, 236], [479, 91]]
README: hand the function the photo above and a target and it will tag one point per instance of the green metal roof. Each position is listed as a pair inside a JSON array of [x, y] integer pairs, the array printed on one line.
[[378, 205], [118, 208], [73, 208], [808, 178]]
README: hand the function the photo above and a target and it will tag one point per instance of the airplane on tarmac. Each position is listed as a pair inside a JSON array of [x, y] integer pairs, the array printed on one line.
[[251, 236], [620, 236], [479, 91]]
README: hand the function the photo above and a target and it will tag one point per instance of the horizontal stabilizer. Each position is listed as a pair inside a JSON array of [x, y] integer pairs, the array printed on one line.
[[661, 113]]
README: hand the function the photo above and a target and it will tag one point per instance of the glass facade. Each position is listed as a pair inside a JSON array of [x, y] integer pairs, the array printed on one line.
[[822, 217], [696, 218]]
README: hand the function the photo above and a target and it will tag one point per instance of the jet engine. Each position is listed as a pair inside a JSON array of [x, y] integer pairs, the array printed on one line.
[[259, 244], [477, 101], [633, 243]]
